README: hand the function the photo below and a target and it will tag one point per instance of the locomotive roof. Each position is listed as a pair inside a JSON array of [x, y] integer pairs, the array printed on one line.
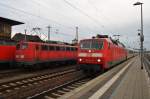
[[44, 43], [109, 39]]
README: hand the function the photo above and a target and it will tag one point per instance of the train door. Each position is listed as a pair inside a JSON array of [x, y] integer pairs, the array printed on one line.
[[37, 53]]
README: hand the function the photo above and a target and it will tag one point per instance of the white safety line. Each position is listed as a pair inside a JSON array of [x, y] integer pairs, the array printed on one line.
[[148, 79], [103, 89]]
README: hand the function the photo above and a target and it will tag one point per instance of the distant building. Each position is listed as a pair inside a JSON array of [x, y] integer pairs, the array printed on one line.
[[33, 38], [5, 27]]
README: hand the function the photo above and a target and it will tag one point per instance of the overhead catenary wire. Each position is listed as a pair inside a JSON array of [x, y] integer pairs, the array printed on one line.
[[34, 1], [31, 14], [84, 13], [38, 16]]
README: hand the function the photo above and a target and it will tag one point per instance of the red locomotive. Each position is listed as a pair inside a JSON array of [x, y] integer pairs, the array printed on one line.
[[32, 53], [100, 53], [7, 52]]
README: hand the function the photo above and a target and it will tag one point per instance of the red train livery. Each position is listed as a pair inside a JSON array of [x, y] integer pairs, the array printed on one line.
[[7, 52], [100, 53], [30, 53]]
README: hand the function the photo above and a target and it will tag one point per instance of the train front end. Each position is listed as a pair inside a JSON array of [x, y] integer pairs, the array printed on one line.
[[24, 54], [90, 55]]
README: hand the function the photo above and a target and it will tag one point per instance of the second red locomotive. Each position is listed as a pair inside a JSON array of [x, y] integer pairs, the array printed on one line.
[[100, 53], [32, 53]]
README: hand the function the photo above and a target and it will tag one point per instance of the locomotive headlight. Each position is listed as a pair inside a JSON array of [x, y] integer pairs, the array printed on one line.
[[21, 56], [98, 60], [80, 59]]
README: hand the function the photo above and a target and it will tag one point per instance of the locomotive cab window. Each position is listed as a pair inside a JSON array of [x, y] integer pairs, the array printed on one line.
[[22, 46], [91, 44]]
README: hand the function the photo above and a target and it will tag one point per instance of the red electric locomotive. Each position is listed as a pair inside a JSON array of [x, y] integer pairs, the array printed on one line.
[[100, 53], [32, 53], [7, 52]]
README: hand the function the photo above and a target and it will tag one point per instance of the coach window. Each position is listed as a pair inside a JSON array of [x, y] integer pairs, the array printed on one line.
[[108, 45], [73, 49], [37, 47], [44, 47], [57, 48], [51, 48], [76, 49], [62, 48], [67, 48]]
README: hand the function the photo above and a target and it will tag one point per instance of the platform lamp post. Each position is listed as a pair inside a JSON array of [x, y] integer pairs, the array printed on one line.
[[141, 32]]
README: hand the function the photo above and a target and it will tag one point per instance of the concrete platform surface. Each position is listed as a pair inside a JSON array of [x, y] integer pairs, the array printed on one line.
[[134, 85]]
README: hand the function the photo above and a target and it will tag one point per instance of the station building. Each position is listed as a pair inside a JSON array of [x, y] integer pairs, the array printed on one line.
[[6, 27]]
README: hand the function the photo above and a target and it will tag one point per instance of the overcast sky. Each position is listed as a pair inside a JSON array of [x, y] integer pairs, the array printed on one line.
[[91, 16]]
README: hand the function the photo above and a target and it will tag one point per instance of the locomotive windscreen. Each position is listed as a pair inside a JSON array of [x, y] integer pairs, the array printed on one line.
[[91, 44], [21, 46]]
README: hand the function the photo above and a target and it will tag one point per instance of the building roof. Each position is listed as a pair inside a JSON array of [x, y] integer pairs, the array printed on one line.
[[9, 21], [20, 37]]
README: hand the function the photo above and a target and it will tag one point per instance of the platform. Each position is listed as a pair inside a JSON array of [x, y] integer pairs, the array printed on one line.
[[134, 85], [129, 83]]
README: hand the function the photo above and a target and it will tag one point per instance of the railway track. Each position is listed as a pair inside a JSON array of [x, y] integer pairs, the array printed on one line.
[[7, 73], [25, 73], [58, 91], [23, 88]]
